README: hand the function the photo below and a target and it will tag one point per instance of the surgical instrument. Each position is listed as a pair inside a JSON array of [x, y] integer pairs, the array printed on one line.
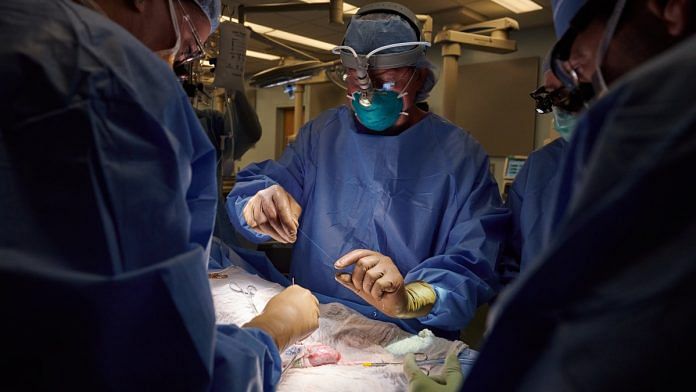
[[249, 293]]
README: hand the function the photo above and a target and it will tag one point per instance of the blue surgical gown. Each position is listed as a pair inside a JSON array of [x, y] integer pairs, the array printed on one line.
[[425, 198], [528, 200], [610, 304], [107, 203]]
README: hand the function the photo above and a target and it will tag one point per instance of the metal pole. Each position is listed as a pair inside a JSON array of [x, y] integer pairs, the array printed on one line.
[[241, 14], [336, 12], [450, 73]]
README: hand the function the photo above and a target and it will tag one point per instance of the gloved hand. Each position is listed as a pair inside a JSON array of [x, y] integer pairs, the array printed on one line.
[[288, 317], [449, 380], [376, 279], [274, 212]]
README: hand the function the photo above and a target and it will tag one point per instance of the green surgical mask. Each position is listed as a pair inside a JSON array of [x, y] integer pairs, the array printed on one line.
[[564, 122]]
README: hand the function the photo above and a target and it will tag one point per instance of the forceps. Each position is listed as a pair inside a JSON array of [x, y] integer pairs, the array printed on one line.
[[249, 293]]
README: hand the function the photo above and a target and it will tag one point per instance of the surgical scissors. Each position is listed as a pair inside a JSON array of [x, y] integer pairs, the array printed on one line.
[[249, 293]]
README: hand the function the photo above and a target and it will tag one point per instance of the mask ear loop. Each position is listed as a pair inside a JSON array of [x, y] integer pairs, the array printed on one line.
[[404, 92], [598, 79]]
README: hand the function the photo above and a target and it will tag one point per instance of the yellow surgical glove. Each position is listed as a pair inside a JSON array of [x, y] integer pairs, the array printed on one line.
[[449, 380], [420, 299]]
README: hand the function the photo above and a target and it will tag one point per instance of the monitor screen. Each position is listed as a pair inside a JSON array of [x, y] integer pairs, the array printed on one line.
[[513, 166]]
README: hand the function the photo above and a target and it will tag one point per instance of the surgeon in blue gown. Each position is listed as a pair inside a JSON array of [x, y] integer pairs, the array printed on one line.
[[399, 219], [107, 203], [609, 305], [535, 186]]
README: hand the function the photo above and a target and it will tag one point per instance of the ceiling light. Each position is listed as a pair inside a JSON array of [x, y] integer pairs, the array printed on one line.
[[263, 56], [284, 35], [519, 6], [347, 7], [299, 39]]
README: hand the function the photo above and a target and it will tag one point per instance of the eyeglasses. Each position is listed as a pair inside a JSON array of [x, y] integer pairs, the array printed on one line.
[[569, 101], [542, 99], [188, 56]]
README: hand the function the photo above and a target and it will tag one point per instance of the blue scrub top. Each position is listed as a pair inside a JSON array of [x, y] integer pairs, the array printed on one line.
[[610, 303], [529, 201], [107, 204], [425, 198]]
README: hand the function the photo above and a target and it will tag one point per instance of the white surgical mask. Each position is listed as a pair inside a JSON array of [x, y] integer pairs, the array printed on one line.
[[169, 55]]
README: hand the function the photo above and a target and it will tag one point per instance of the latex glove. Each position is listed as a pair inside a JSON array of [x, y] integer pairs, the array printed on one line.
[[449, 380], [274, 212], [288, 317], [376, 279]]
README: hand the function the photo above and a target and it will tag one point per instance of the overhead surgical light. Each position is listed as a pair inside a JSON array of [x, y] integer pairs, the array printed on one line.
[[291, 73], [284, 35], [287, 81]]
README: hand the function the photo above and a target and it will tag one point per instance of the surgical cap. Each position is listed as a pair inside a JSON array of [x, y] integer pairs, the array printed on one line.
[[369, 32], [212, 10], [372, 31], [563, 13]]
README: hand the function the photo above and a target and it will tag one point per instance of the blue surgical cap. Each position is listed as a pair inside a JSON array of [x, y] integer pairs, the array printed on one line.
[[212, 10], [563, 13], [369, 32]]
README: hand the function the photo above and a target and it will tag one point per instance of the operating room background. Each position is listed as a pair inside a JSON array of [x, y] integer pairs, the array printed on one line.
[[532, 42], [270, 103]]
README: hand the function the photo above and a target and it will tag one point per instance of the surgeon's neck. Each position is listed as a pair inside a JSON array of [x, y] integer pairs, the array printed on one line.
[[415, 114]]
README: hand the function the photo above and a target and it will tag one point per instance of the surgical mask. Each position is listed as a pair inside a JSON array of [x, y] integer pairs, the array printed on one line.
[[386, 106], [382, 113], [169, 55], [564, 123]]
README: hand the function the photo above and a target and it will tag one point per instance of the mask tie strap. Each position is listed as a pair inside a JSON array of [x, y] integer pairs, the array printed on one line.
[[612, 24], [403, 91]]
